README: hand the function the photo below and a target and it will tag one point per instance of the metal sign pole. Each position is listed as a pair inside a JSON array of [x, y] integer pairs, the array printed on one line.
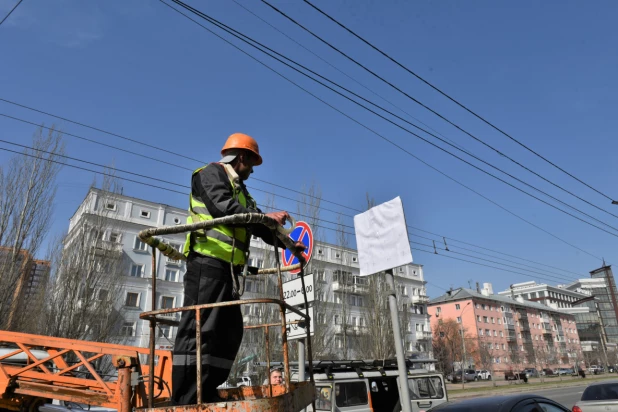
[[301, 361], [404, 393]]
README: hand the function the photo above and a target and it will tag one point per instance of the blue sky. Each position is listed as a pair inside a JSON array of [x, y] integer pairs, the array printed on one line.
[[542, 71]]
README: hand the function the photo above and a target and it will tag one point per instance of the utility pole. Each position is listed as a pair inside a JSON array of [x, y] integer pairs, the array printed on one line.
[[463, 344]]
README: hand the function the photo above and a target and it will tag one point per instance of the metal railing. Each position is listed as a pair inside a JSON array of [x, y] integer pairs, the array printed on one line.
[[280, 233]]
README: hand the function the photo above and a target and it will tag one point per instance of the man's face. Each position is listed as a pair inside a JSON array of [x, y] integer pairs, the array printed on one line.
[[245, 166], [276, 378]]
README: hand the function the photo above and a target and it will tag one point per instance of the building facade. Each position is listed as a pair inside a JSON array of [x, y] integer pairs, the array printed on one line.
[[26, 282], [515, 333], [341, 293]]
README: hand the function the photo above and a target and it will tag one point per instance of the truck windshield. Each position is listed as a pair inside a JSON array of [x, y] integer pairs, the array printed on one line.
[[428, 387]]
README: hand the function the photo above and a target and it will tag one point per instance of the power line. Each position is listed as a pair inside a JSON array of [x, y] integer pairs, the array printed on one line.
[[11, 12], [369, 129], [427, 107], [340, 227], [293, 190], [339, 70], [248, 40], [183, 193], [453, 100]]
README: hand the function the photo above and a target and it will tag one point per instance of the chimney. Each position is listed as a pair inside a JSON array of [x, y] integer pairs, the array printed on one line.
[[478, 288]]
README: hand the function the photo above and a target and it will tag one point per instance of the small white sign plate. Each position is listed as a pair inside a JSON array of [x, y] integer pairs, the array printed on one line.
[[295, 331], [382, 238], [293, 291]]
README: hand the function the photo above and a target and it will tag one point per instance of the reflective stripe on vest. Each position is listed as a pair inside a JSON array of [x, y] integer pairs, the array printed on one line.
[[219, 240]]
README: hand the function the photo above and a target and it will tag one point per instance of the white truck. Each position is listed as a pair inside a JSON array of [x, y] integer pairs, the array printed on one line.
[[372, 385]]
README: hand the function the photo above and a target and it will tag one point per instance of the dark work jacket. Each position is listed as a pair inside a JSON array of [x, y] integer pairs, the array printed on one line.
[[212, 186]]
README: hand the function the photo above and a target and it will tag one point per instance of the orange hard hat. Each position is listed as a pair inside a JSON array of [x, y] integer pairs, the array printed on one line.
[[242, 141]]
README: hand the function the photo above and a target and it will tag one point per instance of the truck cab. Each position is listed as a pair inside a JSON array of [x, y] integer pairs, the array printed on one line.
[[364, 386]]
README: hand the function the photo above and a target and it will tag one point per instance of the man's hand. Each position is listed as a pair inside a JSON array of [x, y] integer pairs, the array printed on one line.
[[279, 217], [300, 246]]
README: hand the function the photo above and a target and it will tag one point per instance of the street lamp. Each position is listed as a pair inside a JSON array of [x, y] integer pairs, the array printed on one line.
[[463, 344]]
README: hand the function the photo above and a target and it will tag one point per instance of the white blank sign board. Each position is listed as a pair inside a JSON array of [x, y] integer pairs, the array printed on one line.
[[382, 238]]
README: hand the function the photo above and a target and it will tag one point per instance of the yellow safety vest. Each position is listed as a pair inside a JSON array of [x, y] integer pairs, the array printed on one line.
[[217, 241]]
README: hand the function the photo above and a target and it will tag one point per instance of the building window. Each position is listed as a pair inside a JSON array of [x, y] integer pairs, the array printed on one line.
[[480, 332], [320, 252], [478, 318], [499, 321], [114, 237], [337, 255], [438, 310], [487, 332], [132, 299], [128, 329], [103, 294], [110, 206], [176, 220], [485, 319], [164, 331], [495, 333], [321, 320], [321, 276], [139, 245], [354, 259], [457, 307], [167, 302], [171, 275], [493, 320], [458, 319], [144, 213], [137, 271], [336, 319]]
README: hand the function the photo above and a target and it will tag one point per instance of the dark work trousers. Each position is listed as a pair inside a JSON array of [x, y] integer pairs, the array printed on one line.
[[207, 280]]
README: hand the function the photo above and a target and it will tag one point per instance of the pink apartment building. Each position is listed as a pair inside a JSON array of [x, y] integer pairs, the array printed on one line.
[[517, 334]]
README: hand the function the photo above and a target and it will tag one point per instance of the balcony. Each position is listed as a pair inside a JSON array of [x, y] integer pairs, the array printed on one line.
[[358, 289], [511, 338], [351, 329], [419, 299], [106, 247], [423, 335], [169, 318]]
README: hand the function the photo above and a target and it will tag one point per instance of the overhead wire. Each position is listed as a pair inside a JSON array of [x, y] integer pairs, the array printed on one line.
[[452, 99], [249, 41], [373, 131], [339, 70], [280, 186], [339, 229], [10, 11], [428, 108], [183, 193]]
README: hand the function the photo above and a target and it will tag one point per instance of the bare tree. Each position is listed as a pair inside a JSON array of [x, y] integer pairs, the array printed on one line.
[[448, 345], [90, 270], [379, 342], [27, 193], [487, 352]]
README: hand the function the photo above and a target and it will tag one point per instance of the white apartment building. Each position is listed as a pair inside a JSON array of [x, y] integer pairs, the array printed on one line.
[[131, 215]]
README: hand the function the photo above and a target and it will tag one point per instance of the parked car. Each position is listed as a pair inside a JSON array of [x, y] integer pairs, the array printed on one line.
[[548, 372], [602, 396], [595, 370], [511, 403], [531, 372], [484, 374], [512, 376], [469, 375], [563, 371]]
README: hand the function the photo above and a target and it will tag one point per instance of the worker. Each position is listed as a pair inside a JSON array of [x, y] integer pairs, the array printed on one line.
[[215, 258], [276, 377]]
